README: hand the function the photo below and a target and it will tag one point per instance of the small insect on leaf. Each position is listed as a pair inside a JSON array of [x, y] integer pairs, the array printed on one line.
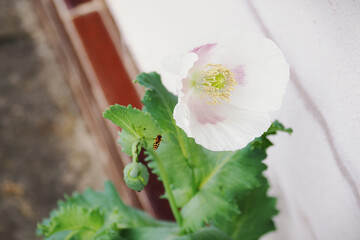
[[157, 142]]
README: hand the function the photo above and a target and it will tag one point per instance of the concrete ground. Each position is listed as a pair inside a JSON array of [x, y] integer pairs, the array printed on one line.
[[45, 149]]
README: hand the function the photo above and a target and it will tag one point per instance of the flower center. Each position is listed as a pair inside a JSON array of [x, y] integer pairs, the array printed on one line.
[[216, 82]]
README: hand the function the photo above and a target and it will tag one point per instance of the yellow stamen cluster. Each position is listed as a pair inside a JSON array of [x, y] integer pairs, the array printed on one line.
[[216, 82]]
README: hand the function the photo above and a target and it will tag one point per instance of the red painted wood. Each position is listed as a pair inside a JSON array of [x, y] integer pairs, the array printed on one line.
[[105, 60], [117, 87]]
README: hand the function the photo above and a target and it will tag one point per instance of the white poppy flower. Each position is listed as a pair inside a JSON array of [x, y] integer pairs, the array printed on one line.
[[227, 90]]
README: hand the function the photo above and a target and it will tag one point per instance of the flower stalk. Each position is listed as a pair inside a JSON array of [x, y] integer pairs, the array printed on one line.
[[166, 183]]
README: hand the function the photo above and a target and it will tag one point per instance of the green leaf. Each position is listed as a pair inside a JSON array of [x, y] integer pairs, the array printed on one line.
[[226, 177], [235, 181], [176, 148], [135, 124], [75, 222], [162, 233], [206, 207], [94, 215], [263, 141], [257, 210], [151, 233], [158, 100], [173, 160], [233, 176], [108, 200], [209, 233], [277, 126]]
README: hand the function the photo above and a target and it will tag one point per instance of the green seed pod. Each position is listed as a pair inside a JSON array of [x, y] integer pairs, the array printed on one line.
[[136, 176]]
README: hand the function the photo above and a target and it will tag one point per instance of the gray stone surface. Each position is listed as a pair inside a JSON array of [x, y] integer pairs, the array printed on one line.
[[45, 150]]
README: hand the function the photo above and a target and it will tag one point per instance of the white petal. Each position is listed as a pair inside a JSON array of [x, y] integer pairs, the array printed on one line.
[[181, 116], [238, 129], [176, 68], [266, 71], [222, 127]]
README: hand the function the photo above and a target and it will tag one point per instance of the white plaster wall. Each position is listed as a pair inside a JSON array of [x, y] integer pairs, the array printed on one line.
[[315, 172]]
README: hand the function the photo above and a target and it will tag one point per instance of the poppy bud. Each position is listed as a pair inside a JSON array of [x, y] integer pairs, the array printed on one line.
[[136, 176]]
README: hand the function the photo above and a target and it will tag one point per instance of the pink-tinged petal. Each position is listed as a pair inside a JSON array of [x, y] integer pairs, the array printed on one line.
[[235, 131], [203, 52], [239, 74], [204, 49], [202, 112], [219, 127]]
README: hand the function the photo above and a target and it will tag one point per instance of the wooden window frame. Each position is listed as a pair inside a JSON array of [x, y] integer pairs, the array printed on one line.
[[99, 70]]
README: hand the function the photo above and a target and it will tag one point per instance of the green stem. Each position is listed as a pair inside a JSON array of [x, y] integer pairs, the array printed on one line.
[[181, 143], [186, 156], [166, 183]]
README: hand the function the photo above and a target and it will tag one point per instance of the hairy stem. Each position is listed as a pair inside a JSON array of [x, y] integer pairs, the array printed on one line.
[[166, 183]]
